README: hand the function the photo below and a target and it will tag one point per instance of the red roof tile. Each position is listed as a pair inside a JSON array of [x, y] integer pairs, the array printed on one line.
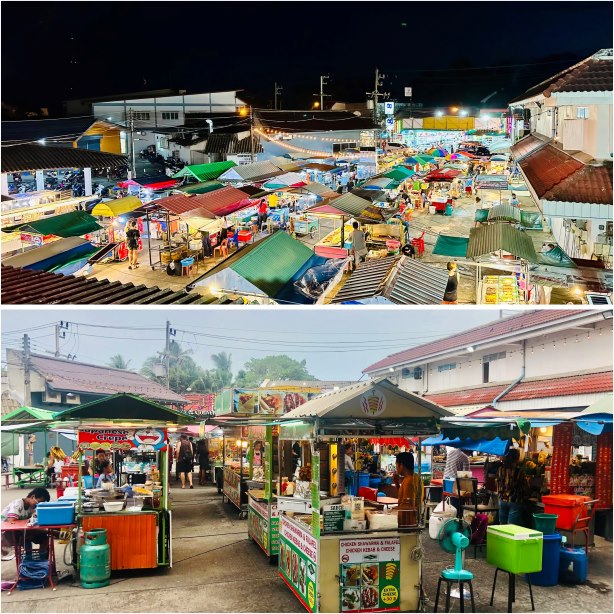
[[222, 202], [474, 335], [178, 203], [589, 75], [528, 145], [590, 184], [534, 389], [547, 167]]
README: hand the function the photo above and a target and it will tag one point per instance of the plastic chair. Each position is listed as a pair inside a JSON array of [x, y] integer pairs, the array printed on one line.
[[418, 243], [583, 524], [186, 266], [234, 240], [369, 494], [222, 248]]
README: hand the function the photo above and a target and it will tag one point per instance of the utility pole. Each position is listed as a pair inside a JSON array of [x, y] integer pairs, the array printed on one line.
[[278, 89], [251, 133], [376, 95], [57, 341], [323, 82], [27, 393], [132, 152], [167, 354]]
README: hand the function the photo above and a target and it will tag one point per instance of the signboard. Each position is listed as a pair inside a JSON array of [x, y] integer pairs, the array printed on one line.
[[271, 402], [333, 515], [122, 439], [256, 401], [408, 92], [232, 486], [389, 108], [245, 401], [390, 122], [370, 572], [373, 403], [298, 560], [491, 182], [27, 237], [263, 526]]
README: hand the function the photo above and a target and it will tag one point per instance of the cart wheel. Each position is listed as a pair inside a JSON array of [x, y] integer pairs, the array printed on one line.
[[273, 559], [242, 515]]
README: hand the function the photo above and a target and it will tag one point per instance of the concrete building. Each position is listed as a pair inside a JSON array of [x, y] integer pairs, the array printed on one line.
[[566, 159], [544, 359]]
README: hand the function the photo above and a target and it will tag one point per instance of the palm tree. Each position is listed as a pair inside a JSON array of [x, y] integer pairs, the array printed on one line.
[[118, 362], [223, 368]]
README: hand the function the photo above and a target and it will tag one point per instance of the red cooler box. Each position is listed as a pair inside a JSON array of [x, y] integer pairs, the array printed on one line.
[[568, 508]]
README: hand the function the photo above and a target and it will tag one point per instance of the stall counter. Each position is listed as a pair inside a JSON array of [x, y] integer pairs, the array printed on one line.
[[351, 571], [263, 524]]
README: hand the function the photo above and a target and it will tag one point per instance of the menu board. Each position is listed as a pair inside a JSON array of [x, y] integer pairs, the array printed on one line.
[[370, 572], [561, 453], [333, 516], [603, 475], [500, 289], [298, 561]]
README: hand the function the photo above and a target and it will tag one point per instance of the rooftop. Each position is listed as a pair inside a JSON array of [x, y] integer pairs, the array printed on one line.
[[313, 121]]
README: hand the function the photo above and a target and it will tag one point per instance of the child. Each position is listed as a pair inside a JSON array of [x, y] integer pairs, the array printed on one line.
[[106, 474], [22, 509]]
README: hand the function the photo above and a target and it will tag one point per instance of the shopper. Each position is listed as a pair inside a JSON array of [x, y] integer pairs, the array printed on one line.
[[349, 462], [359, 245], [202, 448], [450, 296], [262, 214], [22, 509], [512, 489], [132, 243], [514, 200], [456, 460], [184, 456], [409, 483]]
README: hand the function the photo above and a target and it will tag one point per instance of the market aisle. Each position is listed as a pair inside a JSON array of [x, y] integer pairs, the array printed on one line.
[[213, 558]]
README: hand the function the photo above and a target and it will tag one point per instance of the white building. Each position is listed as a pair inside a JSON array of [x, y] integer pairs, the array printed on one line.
[[567, 159], [547, 359]]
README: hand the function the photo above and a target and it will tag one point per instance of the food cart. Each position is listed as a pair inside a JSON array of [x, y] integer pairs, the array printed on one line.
[[136, 512], [330, 562]]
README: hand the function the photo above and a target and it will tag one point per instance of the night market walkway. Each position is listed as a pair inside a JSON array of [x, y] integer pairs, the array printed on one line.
[[218, 569]]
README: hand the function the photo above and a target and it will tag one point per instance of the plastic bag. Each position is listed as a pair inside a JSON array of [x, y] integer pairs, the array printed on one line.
[[449, 508], [316, 279]]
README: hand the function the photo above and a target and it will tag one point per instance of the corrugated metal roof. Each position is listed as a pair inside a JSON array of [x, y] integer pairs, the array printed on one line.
[[367, 280], [221, 143], [350, 203], [273, 262], [29, 157], [319, 189], [205, 172], [370, 195], [417, 283], [221, 202], [24, 286], [494, 237], [178, 203], [244, 146], [42, 253], [202, 187], [72, 224], [528, 145], [251, 172], [384, 183], [507, 213], [319, 166]]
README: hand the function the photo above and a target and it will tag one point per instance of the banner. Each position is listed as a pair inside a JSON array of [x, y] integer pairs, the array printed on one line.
[[122, 439], [263, 526], [232, 486]]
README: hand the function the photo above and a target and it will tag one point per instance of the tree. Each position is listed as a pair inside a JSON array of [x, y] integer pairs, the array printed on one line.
[[280, 367], [118, 362], [223, 368]]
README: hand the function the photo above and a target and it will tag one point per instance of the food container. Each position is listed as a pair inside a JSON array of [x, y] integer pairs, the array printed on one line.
[[113, 506], [568, 507], [514, 549], [135, 504]]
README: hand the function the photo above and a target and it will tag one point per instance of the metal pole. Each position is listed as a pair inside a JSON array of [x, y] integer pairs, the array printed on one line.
[[321, 92], [148, 237], [251, 132], [132, 152], [57, 340], [167, 357], [27, 393]]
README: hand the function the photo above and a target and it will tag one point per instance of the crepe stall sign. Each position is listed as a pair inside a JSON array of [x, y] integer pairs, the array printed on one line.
[[373, 403], [246, 401], [271, 402]]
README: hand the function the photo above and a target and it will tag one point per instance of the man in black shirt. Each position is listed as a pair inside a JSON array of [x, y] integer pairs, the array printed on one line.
[[450, 296]]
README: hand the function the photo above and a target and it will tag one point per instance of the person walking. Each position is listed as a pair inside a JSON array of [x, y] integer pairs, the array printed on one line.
[[359, 245], [184, 456], [132, 243], [262, 214], [450, 296], [202, 449], [456, 460], [512, 489]]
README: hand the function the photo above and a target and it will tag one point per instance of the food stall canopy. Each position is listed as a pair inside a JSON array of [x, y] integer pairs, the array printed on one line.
[[504, 213], [123, 407], [491, 182], [531, 219], [485, 429], [27, 414], [287, 180], [420, 159], [456, 247], [229, 281], [494, 237], [399, 173], [204, 172], [556, 257], [204, 223], [496, 446], [374, 407], [73, 224], [349, 203], [597, 418], [202, 187], [37, 258], [113, 208], [380, 183]]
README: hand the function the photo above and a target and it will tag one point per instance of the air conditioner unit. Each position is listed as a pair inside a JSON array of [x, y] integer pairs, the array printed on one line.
[[418, 373], [73, 399], [596, 298], [52, 396]]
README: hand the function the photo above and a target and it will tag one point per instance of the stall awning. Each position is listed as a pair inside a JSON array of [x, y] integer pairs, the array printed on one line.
[[204, 172], [504, 213], [287, 180], [350, 204], [455, 247], [418, 283], [178, 203], [46, 252], [202, 187], [204, 223], [400, 173], [119, 206], [380, 183], [367, 280], [494, 237], [73, 224], [484, 429], [222, 202], [496, 446]]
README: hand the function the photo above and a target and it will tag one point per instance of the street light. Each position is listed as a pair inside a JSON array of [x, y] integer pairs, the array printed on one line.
[[463, 113], [454, 109], [439, 113], [243, 111], [316, 105]]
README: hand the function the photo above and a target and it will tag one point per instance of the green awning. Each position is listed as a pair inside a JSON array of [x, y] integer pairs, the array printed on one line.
[[28, 414], [113, 208], [481, 215], [201, 187], [455, 247], [556, 257], [483, 430], [494, 237], [73, 224], [531, 220], [399, 173], [204, 172]]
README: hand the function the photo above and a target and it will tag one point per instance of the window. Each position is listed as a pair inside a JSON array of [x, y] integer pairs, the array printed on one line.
[[164, 143], [582, 112], [407, 373], [447, 367], [485, 372], [170, 115], [493, 357], [142, 115], [486, 360]]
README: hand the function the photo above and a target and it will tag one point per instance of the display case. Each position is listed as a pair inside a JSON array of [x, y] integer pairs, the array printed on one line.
[[236, 468]]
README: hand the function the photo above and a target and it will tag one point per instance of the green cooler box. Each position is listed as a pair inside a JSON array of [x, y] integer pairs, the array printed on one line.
[[515, 549]]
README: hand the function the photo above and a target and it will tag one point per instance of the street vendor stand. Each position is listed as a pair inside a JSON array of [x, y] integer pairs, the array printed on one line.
[[135, 431], [334, 564], [236, 468]]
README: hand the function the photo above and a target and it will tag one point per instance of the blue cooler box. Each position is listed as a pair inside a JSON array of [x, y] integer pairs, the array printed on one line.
[[55, 513], [573, 565]]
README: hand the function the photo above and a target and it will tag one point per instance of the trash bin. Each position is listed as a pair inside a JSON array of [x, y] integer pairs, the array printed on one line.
[[551, 554]]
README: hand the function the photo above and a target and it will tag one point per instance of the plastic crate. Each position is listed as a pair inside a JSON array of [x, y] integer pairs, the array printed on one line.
[[515, 549], [55, 513], [567, 507]]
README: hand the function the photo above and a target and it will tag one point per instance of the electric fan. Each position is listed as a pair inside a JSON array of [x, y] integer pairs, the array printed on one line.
[[454, 536]]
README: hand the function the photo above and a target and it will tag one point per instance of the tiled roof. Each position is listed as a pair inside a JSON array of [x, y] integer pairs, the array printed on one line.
[[529, 389], [178, 203], [590, 184], [367, 280], [589, 75], [472, 336], [220, 202], [494, 237], [244, 146], [221, 143], [85, 378], [27, 287], [30, 157], [528, 145], [547, 167]]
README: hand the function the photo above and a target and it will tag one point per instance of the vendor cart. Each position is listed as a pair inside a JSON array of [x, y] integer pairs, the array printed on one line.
[[236, 469]]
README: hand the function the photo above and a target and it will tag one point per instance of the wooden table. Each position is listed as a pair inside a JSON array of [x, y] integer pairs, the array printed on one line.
[[388, 502], [20, 528]]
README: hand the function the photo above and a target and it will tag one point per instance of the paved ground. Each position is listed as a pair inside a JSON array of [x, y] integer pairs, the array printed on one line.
[[218, 569]]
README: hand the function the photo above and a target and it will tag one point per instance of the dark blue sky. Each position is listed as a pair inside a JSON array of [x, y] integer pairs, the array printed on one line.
[[57, 50]]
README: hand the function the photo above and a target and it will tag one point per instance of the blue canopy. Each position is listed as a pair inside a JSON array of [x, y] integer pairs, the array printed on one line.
[[494, 446]]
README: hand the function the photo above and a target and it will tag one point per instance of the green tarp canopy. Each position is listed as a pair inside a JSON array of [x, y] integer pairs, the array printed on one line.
[[531, 220], [556, 257], [486, 430], [399, 173], [73, 224], [204, 172], [481, 215], [455, 247], [10, 445], [420, 159], [201, 187]]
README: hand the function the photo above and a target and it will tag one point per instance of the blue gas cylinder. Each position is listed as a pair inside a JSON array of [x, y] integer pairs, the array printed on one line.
[[95, 559], [573, 566]]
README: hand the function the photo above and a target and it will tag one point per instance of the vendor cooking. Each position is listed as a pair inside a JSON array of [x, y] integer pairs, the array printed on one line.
[[106, 474], [100, 458], [410, 486]]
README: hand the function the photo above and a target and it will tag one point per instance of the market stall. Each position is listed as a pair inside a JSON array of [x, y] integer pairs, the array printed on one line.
[[340, 553], [236, 467]]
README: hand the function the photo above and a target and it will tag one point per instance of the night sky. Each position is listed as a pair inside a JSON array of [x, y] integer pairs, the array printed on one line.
[[53, 51]]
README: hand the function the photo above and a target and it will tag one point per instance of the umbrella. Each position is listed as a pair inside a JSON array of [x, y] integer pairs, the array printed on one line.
[[457, 156], [438, 153]]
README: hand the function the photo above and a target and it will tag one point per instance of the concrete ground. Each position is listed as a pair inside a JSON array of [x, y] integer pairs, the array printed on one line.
[[218, 569]]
